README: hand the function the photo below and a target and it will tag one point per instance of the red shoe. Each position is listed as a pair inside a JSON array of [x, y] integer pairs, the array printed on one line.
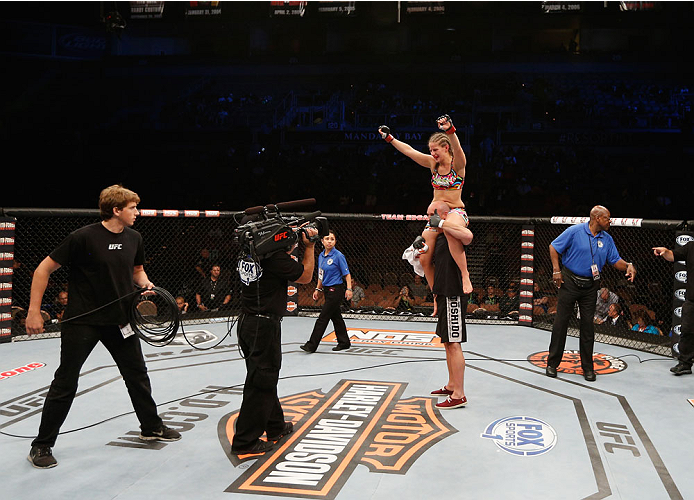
[[451, 403], [442, 392]]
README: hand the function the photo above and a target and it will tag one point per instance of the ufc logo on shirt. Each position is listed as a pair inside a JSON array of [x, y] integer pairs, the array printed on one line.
[[115, 246]]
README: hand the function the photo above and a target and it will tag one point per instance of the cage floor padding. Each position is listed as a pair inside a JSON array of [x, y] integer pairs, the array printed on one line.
[[365, 423]]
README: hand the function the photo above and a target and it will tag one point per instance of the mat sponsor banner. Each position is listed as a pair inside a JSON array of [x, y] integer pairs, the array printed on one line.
[[357, 422], [6, 374], [388, 338], [604, 364], [7, 234], [521, 435]]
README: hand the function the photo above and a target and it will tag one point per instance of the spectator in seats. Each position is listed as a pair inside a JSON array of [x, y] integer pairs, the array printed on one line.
[[602, 304], [420, 290], [615, 317], [539, 298], [510, 302], [358, 294], [473, 301], [214, 293], [58, 309], [402, 302], [446, 162], [333, 273], [203, 264], [181, 304], [490, 299], [686, 344], [660, 303], [642, 323]]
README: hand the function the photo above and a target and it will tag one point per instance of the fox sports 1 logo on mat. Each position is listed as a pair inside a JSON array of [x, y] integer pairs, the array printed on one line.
[[521, 436]]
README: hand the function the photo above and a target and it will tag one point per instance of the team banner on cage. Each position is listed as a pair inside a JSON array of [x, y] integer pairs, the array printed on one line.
[[527, 273], [7, 228]]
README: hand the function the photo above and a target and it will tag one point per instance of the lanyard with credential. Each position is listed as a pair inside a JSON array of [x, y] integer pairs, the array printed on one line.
[[594, 267]]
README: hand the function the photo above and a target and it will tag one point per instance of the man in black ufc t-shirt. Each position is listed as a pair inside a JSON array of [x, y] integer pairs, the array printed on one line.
[[264, 301], [105, 261], [451, 305]]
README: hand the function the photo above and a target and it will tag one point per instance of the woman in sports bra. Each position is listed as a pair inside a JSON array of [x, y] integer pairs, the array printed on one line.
[[446, 161]]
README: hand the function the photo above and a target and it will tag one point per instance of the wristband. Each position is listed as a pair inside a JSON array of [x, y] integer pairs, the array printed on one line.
[[319, 289], [389, 138], [349, 289], [451, 130], [556, 272]]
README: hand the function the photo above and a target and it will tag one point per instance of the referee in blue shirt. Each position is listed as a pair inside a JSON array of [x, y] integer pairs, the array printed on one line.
[[584, 250], [333, 272]]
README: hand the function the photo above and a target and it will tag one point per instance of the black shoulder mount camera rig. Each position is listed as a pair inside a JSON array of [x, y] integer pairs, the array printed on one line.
[[264, 230]]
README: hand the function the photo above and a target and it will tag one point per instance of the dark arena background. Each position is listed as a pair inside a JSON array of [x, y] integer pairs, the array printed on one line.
[[207, 108]]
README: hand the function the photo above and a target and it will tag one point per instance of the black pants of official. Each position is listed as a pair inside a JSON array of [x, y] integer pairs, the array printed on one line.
[[260, 341], [330, 312], [76, 343], [686, 342], [570, 294]]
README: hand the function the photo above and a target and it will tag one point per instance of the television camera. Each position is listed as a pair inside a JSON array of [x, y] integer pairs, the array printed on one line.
[[264, 230]]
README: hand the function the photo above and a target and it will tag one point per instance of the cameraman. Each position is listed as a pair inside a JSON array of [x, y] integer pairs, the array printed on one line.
[[264, 300]]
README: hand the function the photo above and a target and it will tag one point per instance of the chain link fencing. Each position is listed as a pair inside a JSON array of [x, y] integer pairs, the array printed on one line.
[[508, 262]]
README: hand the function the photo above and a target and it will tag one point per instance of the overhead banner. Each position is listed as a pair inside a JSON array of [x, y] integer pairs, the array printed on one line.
[[337, 9], [418, 8], [203, 9], [146, 10], [287, 9], [561, 7], [639, 6]]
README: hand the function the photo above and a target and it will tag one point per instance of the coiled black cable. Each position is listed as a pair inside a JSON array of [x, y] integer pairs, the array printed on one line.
[[155, 317]]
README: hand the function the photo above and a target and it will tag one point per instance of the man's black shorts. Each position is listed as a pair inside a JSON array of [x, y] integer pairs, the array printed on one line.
[[451, 324]]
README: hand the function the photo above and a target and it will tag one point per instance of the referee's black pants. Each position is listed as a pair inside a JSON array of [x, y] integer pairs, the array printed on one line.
[[260, 341], [570, 294], [330, 312], [686, 343], [76, 343]]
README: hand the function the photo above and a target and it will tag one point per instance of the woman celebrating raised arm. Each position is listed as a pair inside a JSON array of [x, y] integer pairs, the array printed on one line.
[[446, 161]]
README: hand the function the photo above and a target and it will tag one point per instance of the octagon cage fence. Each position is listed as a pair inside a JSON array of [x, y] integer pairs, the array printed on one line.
[[507, 253]]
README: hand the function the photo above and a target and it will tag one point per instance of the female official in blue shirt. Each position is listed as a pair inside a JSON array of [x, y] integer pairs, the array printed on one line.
[[332, 268]]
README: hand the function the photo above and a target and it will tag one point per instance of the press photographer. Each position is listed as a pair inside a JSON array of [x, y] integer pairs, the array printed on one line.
[[267, 239]]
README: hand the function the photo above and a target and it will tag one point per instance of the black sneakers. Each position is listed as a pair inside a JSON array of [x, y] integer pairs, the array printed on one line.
[[41, 457], [288, 429], [163, 434], [681, 369]]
